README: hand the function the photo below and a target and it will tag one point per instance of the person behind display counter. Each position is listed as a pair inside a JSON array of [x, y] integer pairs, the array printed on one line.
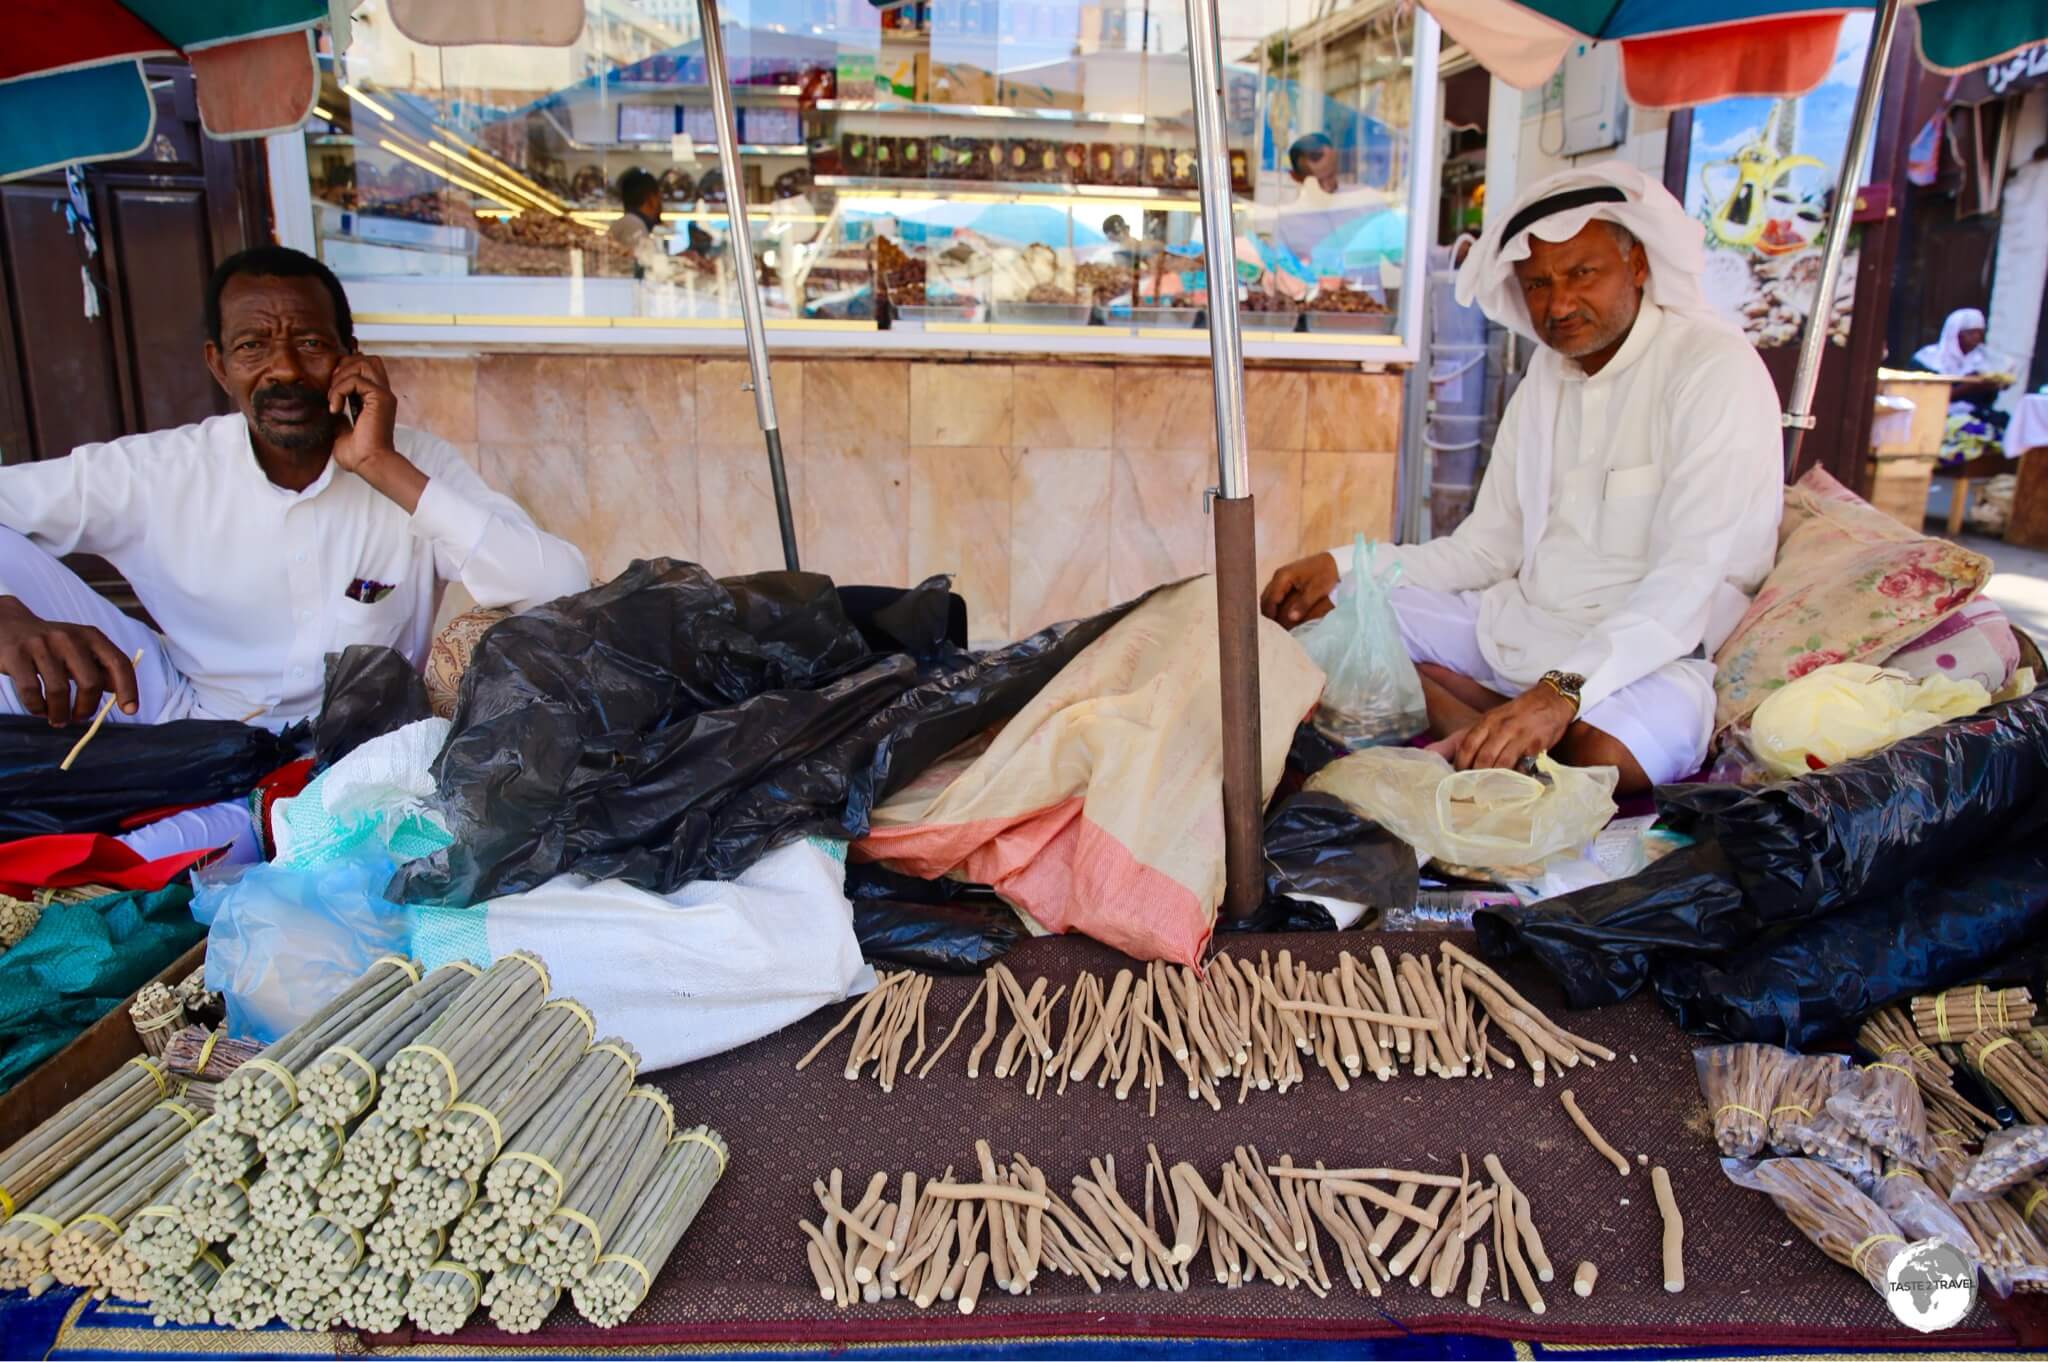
[[640, 194], [1312, 165]]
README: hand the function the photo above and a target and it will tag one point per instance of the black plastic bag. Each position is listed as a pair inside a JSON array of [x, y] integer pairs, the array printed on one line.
[[1600, 943], [370, 691], [939, 938], [1807, 846], [872, 880], [127, 769], [1315, 844], [1814, 982], [667, 727]]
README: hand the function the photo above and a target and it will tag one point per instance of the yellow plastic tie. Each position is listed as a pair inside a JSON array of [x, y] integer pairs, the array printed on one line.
[[547, 985], [1856, 1254], [571, 1005], [497, 1131], [2040, 1195], [206, 1050], [95, 1218], [521, 1156], [1985, 1053], [191, 1116], [160, 1213], [6, 1204], [449, 1265], [447, 1067], [412, 971], [1977, 1004], [1908, 1073], [163, 1087], [596, 1235], [471, 970], [368, 1068], [1807, 1112], [660, 1099], [1722, 1110], [1941, 1018], [291, 1084], [43, 1221], [611, 1049], [699, 1137], [1903, 1171], [216, 1264], [646, 1277]]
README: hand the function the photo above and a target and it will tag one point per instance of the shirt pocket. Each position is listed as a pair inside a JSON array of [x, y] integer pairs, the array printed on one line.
[[380, 621], [1628, 509]]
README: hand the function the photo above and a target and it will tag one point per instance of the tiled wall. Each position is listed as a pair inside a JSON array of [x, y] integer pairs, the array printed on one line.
[[1049, 490]]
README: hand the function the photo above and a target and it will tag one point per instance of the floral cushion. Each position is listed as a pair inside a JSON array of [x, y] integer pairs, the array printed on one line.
[[1850, 585]]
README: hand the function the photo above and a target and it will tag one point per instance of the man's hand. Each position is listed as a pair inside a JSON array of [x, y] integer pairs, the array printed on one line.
[[1301, 590], [46, 661], [369, 448], [1530, 724]]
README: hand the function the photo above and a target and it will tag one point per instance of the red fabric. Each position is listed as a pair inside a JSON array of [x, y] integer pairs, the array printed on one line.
[[286, 782], [1778, 57], [50, 35], [257, 86], [66, 859]]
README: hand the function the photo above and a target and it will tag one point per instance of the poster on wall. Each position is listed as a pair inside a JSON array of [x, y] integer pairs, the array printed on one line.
[[1760, 178]]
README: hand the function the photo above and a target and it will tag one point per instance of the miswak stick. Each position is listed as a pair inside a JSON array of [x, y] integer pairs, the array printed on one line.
[[1383, 1233], [1521, 1223], [1103, 1029], [1141, 1002], [1511, 1248], [1593, 1137], [1022, 1015], [1674, 1230], [1584, 1278], [947, 1044], [1398, 1265], [988, 1029], [1475, 1291], [1032, 1031]]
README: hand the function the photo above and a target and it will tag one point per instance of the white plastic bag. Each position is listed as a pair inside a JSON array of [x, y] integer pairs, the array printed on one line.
[[1374, 693], [1847, 709], [1473, 818], [713, 965]]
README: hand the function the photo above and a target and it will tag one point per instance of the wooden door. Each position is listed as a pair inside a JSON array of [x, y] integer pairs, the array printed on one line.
[[165, 218]]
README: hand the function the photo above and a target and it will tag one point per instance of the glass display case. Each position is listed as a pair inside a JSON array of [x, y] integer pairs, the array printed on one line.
[[985, 174]]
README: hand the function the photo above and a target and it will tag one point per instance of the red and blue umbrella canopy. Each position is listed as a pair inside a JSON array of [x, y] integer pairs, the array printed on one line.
[[72, 85], [1684, 52]]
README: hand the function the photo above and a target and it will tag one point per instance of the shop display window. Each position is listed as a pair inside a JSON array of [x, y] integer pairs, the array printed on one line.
[[958, 174]]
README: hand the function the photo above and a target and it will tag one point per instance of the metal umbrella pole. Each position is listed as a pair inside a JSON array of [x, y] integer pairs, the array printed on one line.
[[741, 242], [1237, 588], [1813, 342]]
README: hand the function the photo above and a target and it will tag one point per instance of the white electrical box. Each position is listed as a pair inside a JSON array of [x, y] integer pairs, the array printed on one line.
[[1595, 103]]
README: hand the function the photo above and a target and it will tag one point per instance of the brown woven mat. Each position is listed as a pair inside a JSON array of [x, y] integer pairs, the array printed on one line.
[[740, 1274]]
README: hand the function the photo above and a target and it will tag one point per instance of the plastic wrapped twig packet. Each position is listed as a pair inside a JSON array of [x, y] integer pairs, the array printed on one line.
[[1882, 1103], [1802, 1095], [1920, 1212], [1847, 1225], [2007, 1246], [2008, 1158], [1831, 1140], [1740, 1083]]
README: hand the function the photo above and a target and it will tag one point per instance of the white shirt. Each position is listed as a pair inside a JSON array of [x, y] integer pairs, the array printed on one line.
[[1660, 510], [250, 582]]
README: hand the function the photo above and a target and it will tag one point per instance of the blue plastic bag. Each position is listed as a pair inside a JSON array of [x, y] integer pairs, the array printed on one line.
[[1374, 694], [280, 943]]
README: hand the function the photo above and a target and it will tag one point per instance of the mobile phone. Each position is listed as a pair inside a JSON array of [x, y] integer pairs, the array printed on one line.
[[355, 408]]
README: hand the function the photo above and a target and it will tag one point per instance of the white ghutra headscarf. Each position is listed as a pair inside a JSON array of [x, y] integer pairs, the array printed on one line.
[[1947, 356], [1559, 207]]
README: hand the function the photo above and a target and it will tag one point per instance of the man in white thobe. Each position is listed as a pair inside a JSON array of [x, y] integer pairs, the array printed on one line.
[[1629, 511]]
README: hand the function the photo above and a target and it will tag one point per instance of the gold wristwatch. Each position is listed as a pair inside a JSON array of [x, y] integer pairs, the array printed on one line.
[[1567, 684]]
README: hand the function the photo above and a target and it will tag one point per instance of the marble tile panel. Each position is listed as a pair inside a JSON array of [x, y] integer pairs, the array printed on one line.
[[1345, 494], [960, 404], [551, 480], [1063, 406], [1059, 536], [860, 404], [736, 526], [1276, 483], [533, 399], [436, 395], [649, 400], [1276, 408], [643, 504], [1353, 411], [1157, 531], [1160, 408], [960, 524], [725, 409], [855, 518]]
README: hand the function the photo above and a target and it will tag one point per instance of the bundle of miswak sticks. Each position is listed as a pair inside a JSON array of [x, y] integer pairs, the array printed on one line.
[[1309, 1227], [1264, 1025], [420, 1148]]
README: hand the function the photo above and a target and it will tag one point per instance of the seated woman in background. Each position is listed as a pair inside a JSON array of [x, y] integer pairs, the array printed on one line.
[[1975, 426]]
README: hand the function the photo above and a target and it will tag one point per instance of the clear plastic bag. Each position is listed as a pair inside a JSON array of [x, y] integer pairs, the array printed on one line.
[[1920, 1212], [1474, 818], [1740, 1084], [2008, 1158], [1803, 1090], [1825, 1136], [1882, 1103], [1374, 693], [1846, 1225], [1839, 712]]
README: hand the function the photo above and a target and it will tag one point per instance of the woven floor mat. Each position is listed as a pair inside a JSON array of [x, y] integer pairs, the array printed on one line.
[[740, 1274]]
